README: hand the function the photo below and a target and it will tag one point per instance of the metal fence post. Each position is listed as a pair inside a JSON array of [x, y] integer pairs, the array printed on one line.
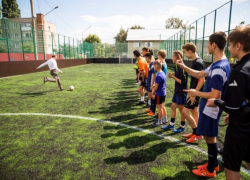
[[59, 49], [34, 42], [22, 42], [64, 49], [215, 14], [74, 48], [203, 37], [229, 23], [196, 32], [44, 53], [69, 47], [189, 32], [7, 38]]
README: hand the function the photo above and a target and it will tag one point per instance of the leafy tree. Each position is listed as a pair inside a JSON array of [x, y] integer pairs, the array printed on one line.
[[93, 38], [3, 48], [28, 47], [241, 24], [10, 9], [176, 23], [122, 34]]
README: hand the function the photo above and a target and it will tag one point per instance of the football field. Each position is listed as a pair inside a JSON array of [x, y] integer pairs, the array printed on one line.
[[93, 132]]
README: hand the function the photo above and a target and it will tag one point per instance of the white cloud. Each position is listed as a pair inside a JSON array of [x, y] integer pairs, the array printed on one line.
[[107, 27]]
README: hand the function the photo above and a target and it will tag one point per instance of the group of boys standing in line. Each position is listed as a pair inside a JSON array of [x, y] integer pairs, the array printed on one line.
[[222, 90]]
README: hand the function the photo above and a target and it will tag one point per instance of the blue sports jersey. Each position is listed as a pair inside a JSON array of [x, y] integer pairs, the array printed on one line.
[[151, 71], [217, 78], [161, 80]]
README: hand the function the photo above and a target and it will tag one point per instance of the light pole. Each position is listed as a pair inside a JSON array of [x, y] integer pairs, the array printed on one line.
[[51, 10], [84, 31]]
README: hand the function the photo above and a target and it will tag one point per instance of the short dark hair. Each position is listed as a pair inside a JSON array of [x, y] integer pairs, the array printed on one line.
[[151, 51], [219, 38], [53, 56], [242, 36], [137, 53], [189, 47], [148, 55], [145, 49]]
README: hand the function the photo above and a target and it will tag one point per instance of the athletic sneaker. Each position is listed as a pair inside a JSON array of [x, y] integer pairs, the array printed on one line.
[[156, 123], [140, 103], [45, 80], [150, 114], [180, 129], [147, 110], [204, 173], [138, 83], [204, 166], [194, 138], [147, 106], [169, 127], [188, 135]]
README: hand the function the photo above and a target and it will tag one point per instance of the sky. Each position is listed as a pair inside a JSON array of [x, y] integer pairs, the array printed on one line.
[[106, 17]]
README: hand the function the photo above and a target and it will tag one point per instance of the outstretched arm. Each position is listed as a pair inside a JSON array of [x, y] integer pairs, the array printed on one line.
[[42, 65]]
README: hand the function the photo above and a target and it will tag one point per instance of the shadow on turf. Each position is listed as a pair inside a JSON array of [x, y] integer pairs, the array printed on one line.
[[34, 94], [144, 155]]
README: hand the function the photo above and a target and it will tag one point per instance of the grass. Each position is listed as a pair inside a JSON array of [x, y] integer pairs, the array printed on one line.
[[40, 147]]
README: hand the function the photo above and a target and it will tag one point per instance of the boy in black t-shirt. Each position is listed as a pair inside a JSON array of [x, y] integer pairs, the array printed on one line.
[[193, 102]]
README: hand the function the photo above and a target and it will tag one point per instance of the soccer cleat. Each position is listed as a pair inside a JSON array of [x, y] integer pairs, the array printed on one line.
[[138, 83], [147, 110], [204, 166], [204, 173], [147, 106], [188, 135], [138, 90], [150, 113], [45, 80], [194, 138], [180, 129], [140, 103], [169, 127], [156, 124]]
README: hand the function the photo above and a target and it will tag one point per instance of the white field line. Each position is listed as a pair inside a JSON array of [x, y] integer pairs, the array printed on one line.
[[246, 171]]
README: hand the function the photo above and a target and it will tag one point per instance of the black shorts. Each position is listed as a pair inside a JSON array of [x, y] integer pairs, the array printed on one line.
[[236, 150], [196, 104], [143, 83], [160, 99], [137, 71]]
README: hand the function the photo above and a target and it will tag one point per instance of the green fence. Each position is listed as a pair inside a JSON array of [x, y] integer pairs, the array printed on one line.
[[224, 18], [22, 42]]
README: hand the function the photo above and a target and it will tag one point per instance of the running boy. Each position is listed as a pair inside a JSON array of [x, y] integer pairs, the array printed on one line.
[[216, 83], [179, 98], [159, 93], [53, 71], [192, 103], [143, 70]]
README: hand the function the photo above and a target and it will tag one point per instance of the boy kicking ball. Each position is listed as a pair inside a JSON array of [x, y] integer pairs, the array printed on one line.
[[159, 94], [179, 98], [53, 71]]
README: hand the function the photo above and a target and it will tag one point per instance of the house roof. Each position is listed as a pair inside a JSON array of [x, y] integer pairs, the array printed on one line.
[[150, 34]]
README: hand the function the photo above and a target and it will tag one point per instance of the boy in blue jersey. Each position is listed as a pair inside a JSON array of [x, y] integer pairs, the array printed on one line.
[[179, 98], [215, 87], [150, 82], [159, 93]]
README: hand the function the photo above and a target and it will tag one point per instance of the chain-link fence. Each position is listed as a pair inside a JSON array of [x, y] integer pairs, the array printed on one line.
[[225, 18], [19, 41]]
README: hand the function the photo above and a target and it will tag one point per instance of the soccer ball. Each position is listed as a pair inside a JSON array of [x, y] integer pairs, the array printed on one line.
[[71, 88]]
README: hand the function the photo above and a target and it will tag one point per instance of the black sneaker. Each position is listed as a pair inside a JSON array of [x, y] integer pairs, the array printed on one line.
[[45, 80], [147, 106], [140, 103]]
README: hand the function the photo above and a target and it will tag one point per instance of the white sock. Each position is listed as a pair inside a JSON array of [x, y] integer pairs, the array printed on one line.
[[171, 124], [149, 102], [142, 98]]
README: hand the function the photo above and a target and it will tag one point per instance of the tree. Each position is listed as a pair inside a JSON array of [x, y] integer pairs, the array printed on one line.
[[176, 23], [3, 48], [10, 9], [93, 38], [122, 34], [137, 27], [28, 47], [241, 24]]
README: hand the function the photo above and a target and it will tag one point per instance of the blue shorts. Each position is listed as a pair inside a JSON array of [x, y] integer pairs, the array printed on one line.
[[180, 100], [207, 126], [148, 89]]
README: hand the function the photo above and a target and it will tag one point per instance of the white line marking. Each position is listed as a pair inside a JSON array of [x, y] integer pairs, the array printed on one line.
[[246, 171]]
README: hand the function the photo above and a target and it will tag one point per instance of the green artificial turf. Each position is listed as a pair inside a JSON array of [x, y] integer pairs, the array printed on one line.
[[44, 147]]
